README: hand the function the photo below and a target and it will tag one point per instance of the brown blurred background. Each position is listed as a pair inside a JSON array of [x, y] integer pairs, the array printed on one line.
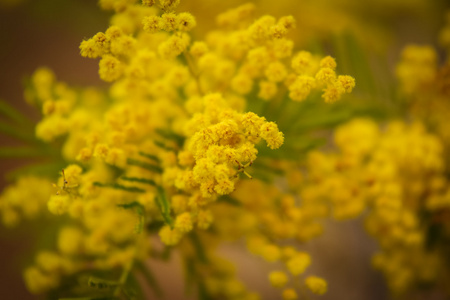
[[34, 34]]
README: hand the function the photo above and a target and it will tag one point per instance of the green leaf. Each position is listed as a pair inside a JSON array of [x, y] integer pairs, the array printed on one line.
[[293, 150], [149, 156], [171, 136], [13, 114], [190, 275], [47, 169], [352, 60], [258, 165], [140, 211], [18, 133], [131, 189], [144, 165], [166, 253], [164, 206], [140, 180], [229, 200], [129, 205], [134, 289], [433, 236], [322, 121], [101, 284], [202, 292], [155, 226], [164, 146], [150, 279], [20, 152], [264, 177], [199, 249]]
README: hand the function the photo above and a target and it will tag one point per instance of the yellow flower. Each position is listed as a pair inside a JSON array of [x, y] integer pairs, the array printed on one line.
[[289, 294], [169, 22], [271, 253], [316, 285], [183, 222], [204, 219], [148, 2], [38, 281], [152, 24], [170, 236], [171, 137], [278, 279], [169, 5], [298, 264], [58, 204], [276, 72], [70, 240], [110, 68], [186, 22], [267, 90], [198, 49], [301, 87]]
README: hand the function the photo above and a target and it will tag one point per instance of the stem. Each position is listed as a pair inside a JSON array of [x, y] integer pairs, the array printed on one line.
[[13, 114], [198, 246], [194, 74], [123, 278]]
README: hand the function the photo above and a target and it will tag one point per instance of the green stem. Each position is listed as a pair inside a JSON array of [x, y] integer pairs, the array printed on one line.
[[132, 189], [149, 156], [140, 180], [194, 74], [14, 114], [151, 280], [123, 278], [144, 165], [15, 132], [199, 249]]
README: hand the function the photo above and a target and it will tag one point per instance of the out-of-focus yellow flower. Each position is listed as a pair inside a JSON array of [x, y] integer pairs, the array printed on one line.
[[278, 279], [316, 285], [289, 294]]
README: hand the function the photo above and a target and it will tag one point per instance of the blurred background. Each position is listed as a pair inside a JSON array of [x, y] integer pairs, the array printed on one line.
[[36, 33]]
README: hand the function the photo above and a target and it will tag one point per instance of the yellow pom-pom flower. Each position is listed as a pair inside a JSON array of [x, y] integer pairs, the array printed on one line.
[[298, 264], [110, 68], [183, 222], [289, 294], [169, 236], [58, 204], [316, 285], [278, 279]]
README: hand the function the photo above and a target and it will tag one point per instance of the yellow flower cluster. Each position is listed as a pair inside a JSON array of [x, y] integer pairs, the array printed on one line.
[[417, 68], [258, 57], [274, 216], [221, 140], [316, 284], [426, 87], [56, 101], [27, 197], [221, 282], [444, 35], [394, 175], [101, 235], [163, 149]]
